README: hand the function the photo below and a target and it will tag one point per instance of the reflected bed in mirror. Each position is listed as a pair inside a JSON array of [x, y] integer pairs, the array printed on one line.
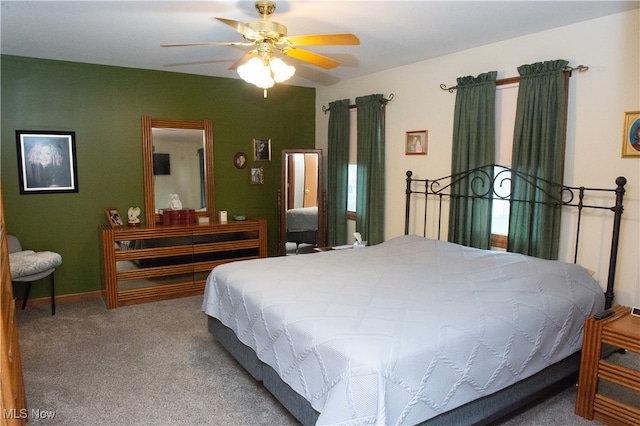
[[186, 148], [301, 201]]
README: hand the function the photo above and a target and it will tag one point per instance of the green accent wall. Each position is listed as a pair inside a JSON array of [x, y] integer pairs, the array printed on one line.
[[104, 106]]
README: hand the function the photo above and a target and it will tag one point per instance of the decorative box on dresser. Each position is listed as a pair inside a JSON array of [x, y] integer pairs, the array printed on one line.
[[145, 264], [609, 391]]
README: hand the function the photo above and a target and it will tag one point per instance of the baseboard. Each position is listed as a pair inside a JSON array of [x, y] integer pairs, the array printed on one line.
[[63, 298]]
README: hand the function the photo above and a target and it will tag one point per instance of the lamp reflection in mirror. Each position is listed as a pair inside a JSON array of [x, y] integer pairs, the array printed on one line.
[[264, 73]]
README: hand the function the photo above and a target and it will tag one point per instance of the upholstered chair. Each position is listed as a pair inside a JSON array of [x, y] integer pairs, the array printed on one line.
[[28, 266]]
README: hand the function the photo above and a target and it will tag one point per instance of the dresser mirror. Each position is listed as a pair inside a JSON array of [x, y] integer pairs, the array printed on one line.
[[178, 159], [301, 201]]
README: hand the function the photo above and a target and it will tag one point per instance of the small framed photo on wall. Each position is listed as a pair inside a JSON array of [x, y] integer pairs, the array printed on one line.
[[240, 160], [416, 142], [257, 176], [631, 134], [262, 149]]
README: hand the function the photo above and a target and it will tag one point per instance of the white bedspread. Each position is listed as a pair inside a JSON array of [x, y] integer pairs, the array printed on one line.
[[400, 332]]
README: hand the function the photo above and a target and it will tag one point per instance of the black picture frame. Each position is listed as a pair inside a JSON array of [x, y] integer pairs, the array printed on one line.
[[47, 161]]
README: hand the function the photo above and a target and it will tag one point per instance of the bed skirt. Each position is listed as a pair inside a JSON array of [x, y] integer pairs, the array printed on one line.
[[481, 411]]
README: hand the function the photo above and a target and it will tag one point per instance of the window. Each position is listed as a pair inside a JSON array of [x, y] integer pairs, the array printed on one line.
[[506, 101], [353, 167], [351, 188], [501, 207]]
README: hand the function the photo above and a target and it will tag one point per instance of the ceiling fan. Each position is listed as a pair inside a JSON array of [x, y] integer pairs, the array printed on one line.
[[266, 37]]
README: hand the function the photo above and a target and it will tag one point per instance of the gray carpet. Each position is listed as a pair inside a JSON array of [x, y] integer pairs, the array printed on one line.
[[156, 364]]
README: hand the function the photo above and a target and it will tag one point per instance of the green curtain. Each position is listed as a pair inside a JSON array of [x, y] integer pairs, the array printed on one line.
[[473, 148], [538, 150], [337, 173], [371, 168]]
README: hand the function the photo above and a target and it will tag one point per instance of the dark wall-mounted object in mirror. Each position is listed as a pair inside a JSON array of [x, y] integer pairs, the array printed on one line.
[[161, 164], [301, 207], [191, 170]]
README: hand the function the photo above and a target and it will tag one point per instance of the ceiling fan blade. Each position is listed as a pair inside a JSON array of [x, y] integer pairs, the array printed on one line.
[[240, 27], [210, 43], [324, 39], [312, 58], [244, 58]]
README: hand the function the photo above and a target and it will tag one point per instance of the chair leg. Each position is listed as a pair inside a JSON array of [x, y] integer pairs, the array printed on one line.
[[53, 296], [26, 295]]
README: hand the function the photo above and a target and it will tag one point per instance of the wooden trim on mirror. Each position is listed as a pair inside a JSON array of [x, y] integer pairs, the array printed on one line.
[[148, 123]]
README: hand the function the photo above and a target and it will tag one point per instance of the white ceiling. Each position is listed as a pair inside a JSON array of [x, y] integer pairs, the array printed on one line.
[[392, 33]]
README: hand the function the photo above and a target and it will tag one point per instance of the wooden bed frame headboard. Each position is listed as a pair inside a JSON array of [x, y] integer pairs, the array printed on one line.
[[484, 181]]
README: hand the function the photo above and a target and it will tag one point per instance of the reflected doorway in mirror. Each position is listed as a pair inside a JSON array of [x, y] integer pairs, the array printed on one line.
[[301, 205]]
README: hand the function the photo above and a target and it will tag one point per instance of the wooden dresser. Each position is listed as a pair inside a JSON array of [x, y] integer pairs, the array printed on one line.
[[145, 264]]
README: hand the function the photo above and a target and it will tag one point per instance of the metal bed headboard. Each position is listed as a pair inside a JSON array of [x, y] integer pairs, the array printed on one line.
[[483, 182]]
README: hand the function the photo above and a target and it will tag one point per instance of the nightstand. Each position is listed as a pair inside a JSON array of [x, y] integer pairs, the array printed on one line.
[[620, 330]]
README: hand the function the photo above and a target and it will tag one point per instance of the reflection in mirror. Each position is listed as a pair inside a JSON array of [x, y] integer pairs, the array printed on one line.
[[178, 159], [301, 201]]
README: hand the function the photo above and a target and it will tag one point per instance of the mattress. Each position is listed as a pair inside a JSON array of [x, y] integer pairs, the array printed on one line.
[[302, 219], [400, 332]]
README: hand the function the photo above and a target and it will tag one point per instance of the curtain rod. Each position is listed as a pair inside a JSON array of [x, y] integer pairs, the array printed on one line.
[[383, 101], [509, 80]]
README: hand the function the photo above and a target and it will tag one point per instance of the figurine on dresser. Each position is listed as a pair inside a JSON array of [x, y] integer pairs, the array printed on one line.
[[174, 202], [133, 214]]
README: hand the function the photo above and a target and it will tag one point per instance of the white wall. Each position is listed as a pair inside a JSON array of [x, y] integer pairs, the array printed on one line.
[[610, 46]]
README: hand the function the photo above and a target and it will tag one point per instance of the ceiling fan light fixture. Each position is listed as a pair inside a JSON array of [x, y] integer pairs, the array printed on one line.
[[255, 71], [265, 74], [281, 71]]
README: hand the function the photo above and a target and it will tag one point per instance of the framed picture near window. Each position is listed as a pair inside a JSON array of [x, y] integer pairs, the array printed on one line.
[[262, 149], [631, 134], [47, 161], [257, 176], [416, 142], [113, 216]]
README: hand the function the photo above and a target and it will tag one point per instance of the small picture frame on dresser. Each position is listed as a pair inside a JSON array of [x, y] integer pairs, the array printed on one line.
[[113, 216]]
